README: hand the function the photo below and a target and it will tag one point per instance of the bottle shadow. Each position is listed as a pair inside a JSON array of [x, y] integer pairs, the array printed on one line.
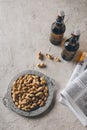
[[77, 56]]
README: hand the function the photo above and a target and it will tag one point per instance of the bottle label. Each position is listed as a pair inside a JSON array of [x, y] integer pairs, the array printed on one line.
[[57, 37], [68, 54]]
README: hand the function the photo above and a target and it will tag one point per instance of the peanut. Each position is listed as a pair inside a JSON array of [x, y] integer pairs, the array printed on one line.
[[41, 65], [45, 98], [38, 94], [40, 89], [49, 56], [19, 106], [57, 59], [42, 103], [14, 83], [31, 95], [40, 56]]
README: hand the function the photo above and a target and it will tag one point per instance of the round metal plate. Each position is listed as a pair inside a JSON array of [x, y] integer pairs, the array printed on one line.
[[7, 100]]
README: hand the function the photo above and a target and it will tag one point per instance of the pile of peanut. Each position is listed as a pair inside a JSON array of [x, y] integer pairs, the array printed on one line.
[[41, 56], [29, 92]]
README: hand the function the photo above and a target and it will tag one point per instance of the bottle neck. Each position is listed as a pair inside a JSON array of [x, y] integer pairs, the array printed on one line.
[[59, 20], [74, 39]]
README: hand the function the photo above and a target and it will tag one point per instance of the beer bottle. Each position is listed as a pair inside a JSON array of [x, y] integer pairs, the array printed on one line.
[[58, 29], [71, 45]]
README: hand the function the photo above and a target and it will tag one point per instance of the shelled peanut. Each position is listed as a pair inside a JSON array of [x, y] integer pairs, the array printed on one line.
[[29, 92]]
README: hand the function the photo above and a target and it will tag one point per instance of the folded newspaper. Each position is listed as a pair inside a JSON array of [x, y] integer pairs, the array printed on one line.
[[75, 93]]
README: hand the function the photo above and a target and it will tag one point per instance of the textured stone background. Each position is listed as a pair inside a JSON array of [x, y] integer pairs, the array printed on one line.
[[24, 30]]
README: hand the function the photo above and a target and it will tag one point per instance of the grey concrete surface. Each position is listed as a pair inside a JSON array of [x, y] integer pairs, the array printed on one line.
[[24, 31]]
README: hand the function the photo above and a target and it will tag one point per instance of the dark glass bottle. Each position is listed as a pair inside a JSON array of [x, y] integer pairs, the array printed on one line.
[[71, 45], [58, 29]]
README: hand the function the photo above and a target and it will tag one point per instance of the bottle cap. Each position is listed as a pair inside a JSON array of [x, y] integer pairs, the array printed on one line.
[[60, 17], [61, 13], [76, 32]]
